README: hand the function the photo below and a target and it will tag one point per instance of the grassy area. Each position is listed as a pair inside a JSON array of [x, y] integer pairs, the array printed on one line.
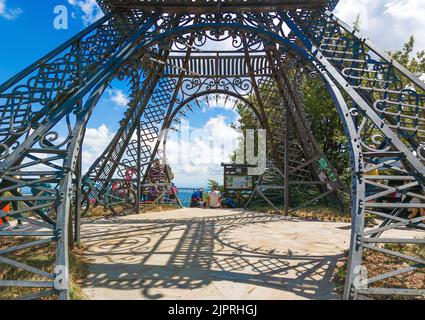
[[157, 208], [100, 211], [311, 213], [317, 213], [43, 258], [322, 214], [378, 263], [375, 262]]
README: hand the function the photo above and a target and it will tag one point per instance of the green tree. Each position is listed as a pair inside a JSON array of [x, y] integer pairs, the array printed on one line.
[[326, 125], [324, 119], [357, 23], [414, 62], [213, 183]]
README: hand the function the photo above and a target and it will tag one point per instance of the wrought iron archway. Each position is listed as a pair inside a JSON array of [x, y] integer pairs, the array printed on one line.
[[382, 112]]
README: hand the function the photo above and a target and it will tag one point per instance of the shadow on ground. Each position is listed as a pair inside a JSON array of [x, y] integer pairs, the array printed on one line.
[[205, 258]]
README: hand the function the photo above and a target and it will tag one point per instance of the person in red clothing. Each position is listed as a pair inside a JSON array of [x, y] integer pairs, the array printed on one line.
[[7, 207], [172, 193], [4, 223]]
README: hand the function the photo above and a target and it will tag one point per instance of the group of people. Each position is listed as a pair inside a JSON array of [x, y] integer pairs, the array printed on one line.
[[397, 197], [213, 201], [165, 193]]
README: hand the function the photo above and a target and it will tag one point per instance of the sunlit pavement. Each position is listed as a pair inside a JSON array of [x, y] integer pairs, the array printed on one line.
[[212, 254]]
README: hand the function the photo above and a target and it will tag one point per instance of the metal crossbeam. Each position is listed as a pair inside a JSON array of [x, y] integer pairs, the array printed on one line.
[[203, 6], [209, 66]]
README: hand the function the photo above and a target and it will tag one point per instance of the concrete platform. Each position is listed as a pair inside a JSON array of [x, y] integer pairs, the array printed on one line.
[[212, 254]]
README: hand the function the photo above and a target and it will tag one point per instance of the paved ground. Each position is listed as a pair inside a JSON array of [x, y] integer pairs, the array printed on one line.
[[211, 254]]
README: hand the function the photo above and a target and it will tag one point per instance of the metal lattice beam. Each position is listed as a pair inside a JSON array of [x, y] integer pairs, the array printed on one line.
[[203, 6]]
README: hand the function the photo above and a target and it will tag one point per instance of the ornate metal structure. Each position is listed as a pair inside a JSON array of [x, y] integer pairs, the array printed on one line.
[[161, 47]]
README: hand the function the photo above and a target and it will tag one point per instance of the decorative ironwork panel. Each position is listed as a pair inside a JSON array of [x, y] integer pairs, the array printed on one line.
[[387, 105]]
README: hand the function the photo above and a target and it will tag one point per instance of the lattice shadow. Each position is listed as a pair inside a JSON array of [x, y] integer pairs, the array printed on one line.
[[156, 256]]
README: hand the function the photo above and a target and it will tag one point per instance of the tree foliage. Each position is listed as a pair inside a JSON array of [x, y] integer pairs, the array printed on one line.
[[414, 62], [213, 183], [326, 125], [324, 118]]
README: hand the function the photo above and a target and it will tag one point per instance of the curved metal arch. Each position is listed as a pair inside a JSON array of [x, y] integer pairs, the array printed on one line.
[[216, 91], [143, 47], [357, 182], [66, 188], [272, 36], [36, 145], [324, 68], [316, 58]]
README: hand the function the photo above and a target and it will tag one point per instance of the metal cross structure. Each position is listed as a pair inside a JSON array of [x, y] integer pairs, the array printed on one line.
[[163, 49]]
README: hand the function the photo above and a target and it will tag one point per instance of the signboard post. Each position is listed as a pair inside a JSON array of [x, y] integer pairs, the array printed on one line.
[[238, 184]]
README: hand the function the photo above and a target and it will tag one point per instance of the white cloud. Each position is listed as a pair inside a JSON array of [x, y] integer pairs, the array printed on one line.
[[194, 161], [222, 102], [95, 142], [91, 11], [406, 9], [2, 6], [196, 154], [388, 23], [118, 97], [9, 13]]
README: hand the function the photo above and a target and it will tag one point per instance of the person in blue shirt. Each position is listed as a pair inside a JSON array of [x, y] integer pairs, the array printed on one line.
[[229, 202], [197, 198]]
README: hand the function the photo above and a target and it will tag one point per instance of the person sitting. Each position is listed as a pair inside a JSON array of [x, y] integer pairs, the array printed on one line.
[[172, 194], [152, 195], [372, 189], [228, 202], [156, 172], [197, 197], [214, 199], [417, 212], [4, 222], [174, 190], [9, 207]]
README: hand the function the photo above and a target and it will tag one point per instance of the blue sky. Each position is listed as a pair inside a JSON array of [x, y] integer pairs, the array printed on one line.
[[31, 34], [27, 33]]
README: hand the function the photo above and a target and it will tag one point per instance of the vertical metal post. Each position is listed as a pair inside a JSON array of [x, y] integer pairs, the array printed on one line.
[[286, 161], [79, 166], [77, 204], [70, 231], [139, 166]]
